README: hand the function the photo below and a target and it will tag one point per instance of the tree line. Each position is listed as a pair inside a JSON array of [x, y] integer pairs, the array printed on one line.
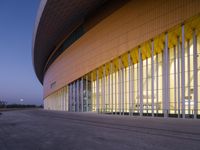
[[3, 104]]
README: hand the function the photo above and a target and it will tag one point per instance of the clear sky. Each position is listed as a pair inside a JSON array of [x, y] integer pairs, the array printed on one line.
[[17, 77]]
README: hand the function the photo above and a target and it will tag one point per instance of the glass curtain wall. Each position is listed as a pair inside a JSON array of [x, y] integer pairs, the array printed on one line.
[[57, 100]]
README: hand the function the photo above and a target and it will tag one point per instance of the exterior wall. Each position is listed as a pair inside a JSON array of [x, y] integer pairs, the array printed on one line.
[[134, 23], [137, 85], [157, 78]]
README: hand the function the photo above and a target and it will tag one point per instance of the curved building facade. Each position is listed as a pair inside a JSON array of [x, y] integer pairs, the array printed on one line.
[[122, 57]]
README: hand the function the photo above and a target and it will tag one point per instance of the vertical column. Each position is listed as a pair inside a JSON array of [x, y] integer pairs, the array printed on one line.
[[130, 84], [141, 81], [66, 98], [68, 86], [111, 74], [111, 96], [156, 84], [195, 74], [103, 88], [71, 97], [178, 77], [97, 91], [152, 78], [82, 95], [116, 92], [166, 78], [60, 99], [92, 91], [108, 97], [63, 98], [74, 96], [77, 96], [147, 100], [119, 86], [175, 95], [71, 93], [138, 85], [122, 88], [87, 97], [183, 72], [163, 81], [188, 51]]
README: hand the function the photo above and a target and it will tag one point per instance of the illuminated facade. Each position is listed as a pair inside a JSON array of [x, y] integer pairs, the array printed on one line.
[[159, 76]]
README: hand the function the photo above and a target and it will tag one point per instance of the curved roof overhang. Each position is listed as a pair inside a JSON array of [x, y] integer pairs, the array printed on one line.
[[56, 20]]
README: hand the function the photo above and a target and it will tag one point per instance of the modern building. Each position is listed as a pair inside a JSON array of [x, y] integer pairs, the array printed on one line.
[[125, 57]]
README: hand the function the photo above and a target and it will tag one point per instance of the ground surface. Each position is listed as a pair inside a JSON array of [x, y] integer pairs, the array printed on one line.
[[53, 130]]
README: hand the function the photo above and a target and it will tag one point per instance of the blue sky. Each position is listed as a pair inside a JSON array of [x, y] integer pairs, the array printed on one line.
[[17, 77]]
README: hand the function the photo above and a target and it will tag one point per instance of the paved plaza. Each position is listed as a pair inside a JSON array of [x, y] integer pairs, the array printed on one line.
[[54, 130]]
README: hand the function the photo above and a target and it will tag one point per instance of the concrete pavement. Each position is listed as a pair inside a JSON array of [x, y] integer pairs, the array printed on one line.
[[55, 130]]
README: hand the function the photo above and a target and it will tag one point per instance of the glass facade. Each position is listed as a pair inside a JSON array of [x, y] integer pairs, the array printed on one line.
[[158, 78]]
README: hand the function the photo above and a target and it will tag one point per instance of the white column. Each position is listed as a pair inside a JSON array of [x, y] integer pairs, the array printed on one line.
[[122, 88], [147, 100], [130, 84], [175, 95], [97, 91], [74, 96], [188, 51], [82, 108], [71, 97], [77, 96], [63, 98], [178, 77], [87, 96], [92, 92], [116, 93], [138, 85], [195, 74], [166, 78], [66, 97], [103, 88], [141, 81], [109, 101], [69, 103], [111, 85], [156, 84], [183, 73], [152, 78], [119, 86]]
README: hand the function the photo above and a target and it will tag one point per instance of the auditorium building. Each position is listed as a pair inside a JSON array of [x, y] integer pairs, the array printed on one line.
[[120, 57]]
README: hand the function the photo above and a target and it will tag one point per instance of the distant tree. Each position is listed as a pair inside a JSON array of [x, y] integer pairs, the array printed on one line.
[[20, 106]]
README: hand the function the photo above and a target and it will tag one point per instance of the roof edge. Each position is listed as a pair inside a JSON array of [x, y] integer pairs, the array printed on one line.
[[37, 21]]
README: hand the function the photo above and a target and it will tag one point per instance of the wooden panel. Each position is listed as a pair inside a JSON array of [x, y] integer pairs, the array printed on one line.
[[129, 26]]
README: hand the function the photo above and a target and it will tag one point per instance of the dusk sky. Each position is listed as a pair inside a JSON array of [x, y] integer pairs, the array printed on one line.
[[17, 77]]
